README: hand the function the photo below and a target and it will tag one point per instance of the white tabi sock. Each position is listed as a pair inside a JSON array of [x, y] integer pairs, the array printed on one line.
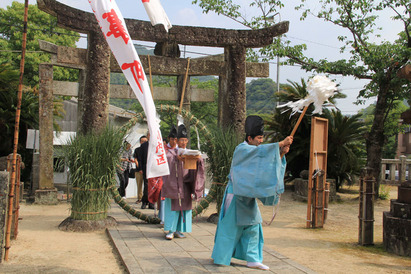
[[257, 265]]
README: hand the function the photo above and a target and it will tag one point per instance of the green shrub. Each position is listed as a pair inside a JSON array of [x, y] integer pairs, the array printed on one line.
[[92, 160], [220, 156], [384, 192]]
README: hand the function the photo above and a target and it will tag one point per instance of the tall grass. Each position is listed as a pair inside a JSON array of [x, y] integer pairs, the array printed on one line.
[[220, 156], [92, 161]]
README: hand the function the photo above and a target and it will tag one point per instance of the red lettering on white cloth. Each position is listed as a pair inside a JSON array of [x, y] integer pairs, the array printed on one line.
[[136, 70], [116, 26]]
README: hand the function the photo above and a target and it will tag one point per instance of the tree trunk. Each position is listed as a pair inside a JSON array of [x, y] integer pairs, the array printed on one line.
[[96, 92], [375, 140]]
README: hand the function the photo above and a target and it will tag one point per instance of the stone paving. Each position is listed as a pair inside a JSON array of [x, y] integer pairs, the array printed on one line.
[[143, 249]]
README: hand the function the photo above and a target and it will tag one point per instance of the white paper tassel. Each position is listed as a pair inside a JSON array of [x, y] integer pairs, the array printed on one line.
[[320, 88], [180, 120]]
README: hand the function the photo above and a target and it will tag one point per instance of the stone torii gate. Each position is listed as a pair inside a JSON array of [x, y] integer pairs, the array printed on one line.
[[96, 63], [235, 43]]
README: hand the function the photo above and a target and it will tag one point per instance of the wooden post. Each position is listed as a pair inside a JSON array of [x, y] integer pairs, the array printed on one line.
[[309, 201], [318, 200], [360, 207], [318, 163], [366, 209], [326, 199]]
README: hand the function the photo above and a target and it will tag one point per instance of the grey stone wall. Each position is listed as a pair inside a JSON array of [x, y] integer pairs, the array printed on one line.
[[4, 190]]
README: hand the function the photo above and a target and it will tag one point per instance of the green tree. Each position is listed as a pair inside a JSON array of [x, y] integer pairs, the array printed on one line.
[[345, 146], [391, 127], [261, 96], [29, 116], [207, 112], [376, 62], [40, 26]]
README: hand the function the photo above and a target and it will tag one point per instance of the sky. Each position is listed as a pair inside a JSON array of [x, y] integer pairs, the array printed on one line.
[[320, 38]]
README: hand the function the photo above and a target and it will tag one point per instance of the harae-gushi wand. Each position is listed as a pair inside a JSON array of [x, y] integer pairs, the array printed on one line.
[[320, 88]]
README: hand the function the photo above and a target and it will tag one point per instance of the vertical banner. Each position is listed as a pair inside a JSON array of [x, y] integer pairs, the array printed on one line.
[[113, 26], [156, 13]]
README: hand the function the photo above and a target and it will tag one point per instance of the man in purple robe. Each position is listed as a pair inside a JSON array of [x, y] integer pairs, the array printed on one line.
[[179, 189]]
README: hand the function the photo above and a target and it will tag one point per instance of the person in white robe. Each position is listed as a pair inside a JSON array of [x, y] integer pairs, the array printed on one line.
[[257, 172]]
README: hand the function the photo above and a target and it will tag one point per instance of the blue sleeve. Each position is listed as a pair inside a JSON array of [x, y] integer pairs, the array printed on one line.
[[258, 171]]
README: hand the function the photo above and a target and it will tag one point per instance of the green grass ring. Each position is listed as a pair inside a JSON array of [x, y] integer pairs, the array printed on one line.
[[139, 118]]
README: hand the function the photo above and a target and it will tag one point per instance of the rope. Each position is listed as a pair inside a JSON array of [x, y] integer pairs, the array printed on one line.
[[275, 211], [89, 213], [91, 189], [124, 205], [205, 202]]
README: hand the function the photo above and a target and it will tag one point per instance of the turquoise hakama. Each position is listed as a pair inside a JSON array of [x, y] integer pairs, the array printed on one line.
[[256, 172], [176, 220]]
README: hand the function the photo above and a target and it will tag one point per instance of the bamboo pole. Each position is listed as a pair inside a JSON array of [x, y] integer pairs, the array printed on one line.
[[17, 199], [151, 78], [184, 86], [16, 131]]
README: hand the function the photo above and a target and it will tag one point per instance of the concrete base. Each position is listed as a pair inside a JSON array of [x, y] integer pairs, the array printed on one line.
[[396, 234], [46, 196]]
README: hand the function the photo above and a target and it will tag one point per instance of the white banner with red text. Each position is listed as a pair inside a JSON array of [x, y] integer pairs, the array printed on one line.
[[113, 26], [156, 13]]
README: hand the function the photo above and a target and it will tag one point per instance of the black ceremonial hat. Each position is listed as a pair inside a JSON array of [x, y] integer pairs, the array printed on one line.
[[254, 125], [173, 132], [182, 131]]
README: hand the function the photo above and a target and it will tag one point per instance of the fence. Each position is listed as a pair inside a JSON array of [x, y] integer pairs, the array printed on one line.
[[395, 171]]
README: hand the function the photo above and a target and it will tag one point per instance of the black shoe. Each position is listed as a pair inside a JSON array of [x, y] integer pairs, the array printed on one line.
[[143, 206], [150, 206]]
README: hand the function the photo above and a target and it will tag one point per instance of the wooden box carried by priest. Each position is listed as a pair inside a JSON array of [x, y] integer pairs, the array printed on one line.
[[190, 161]]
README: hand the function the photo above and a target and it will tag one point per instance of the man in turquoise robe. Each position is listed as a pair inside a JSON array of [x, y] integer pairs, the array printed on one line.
[[257, 171]]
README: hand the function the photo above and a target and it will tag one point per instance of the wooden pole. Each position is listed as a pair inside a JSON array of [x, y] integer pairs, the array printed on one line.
[[184, 86], [17, 199], [360, 208], [297, 124], [309, 220], [151, 78], [368, 211], [16, 132], [326, 200]]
